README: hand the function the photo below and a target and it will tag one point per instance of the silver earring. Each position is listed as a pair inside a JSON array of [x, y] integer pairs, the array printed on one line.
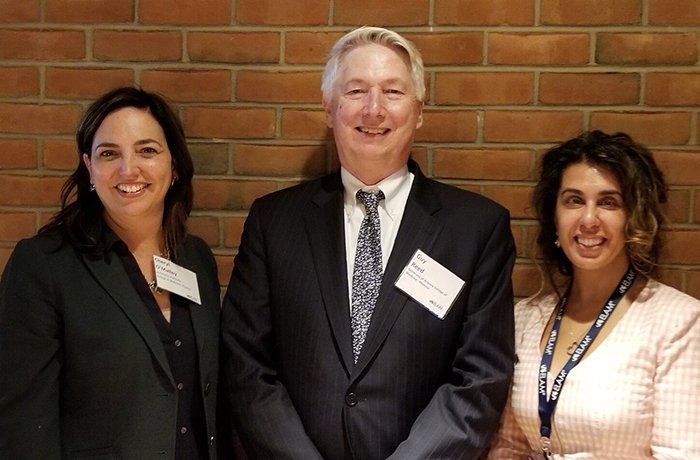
[[92, 187], [557, 243], [173, 181]]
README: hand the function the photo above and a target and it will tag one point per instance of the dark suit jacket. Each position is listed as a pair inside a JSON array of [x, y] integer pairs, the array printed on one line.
[[423, 388], [82, 370]]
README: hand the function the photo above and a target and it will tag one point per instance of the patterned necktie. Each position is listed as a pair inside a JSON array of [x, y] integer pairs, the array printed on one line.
[[367, 274]]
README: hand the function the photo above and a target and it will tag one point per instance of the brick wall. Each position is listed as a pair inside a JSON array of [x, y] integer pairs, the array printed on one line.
[[506, 80]]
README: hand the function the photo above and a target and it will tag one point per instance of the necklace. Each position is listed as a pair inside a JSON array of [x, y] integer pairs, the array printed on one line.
[[153, 285], [572, 348]]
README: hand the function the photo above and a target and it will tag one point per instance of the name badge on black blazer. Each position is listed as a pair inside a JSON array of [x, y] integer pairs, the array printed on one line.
[[176, 279], [430, 284]]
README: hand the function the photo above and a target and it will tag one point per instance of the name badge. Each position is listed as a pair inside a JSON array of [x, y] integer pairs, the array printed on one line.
[[176, 279], [430, 284]]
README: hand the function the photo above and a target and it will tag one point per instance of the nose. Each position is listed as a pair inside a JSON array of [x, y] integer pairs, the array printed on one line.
[[374, 103], [128, 165], [590, 219]]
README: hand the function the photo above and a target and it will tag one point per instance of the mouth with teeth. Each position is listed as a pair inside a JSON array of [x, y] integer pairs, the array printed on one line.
[[131, 188], [589, 242], [372, 131]]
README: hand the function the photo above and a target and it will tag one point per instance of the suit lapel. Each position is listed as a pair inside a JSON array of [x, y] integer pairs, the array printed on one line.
[[111, 275], [325, 230], [418, 230]]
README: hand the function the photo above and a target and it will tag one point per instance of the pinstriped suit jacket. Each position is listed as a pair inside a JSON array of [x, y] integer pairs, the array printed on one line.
[[423, 387]]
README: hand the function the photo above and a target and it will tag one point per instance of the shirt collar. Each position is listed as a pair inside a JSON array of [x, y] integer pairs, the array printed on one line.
[[390, 186]]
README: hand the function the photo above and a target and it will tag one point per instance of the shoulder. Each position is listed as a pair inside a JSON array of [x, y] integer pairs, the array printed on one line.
[[197, 251], [670, 306], [451, 195]]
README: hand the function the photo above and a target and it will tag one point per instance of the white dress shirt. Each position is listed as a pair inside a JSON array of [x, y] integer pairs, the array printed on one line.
[[396, 189]]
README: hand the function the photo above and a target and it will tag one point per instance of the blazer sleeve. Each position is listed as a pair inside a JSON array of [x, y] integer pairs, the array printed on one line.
[[30, 357], [263, 413], [463, 414]]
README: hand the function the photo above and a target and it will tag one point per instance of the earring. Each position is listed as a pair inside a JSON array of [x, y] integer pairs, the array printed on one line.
[[173, 181], [557, 243], [92, 187]]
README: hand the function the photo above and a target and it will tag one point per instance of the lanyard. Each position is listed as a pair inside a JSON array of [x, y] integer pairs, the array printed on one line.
[[547, 405]]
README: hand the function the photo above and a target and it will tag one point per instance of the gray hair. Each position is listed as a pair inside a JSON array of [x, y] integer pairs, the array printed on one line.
[[372, 35]]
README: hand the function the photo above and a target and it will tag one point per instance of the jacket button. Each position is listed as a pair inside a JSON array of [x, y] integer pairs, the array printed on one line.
[[351, 399], [207, 387], [211, 441]]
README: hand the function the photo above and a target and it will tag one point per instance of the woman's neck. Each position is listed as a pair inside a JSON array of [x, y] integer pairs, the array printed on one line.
[[591, 289]]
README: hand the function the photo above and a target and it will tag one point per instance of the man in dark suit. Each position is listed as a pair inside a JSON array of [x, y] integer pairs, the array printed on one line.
[[361, 331]]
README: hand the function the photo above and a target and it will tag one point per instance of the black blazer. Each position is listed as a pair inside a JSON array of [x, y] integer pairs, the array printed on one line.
[[423, 388], [82, 370]]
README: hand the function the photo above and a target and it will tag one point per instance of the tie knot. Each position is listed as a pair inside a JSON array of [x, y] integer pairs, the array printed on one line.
[[369, 199]]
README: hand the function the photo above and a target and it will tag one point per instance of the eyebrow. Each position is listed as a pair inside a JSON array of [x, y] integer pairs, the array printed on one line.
[[139, 142], [390, 81], [601, 193]]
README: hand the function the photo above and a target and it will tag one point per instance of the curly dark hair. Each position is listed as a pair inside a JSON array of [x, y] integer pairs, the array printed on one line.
[[643, 192], [80, 218]]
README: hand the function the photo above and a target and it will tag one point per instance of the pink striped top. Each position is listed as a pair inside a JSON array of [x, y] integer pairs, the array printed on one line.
[[636, 396]]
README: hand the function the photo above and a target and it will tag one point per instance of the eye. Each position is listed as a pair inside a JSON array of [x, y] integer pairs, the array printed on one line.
[[573, 200], [148, 150], [106, 154], [610, 202], [355, 93], [394, 92]]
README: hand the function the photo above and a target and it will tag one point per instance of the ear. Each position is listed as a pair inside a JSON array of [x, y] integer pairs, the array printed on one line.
[[328, 108], [86, 161], [419, 122]]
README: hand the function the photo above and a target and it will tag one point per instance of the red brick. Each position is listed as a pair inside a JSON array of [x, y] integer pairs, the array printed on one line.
[[205, 227], [693, 283], [234, 47], [418, 154], [309, 47], [646, 48], [514, 197], [482, 164], [227, 122], [137, 45], [13, 11], [233, 229], [527, 279], [289, 12], [42, 44], [679, 168], [30, 190], [484, 88], [85, 83], [19, 81], [304, 124], [386, 12], [448, 126], [589, 88], [224, 265], [38, 119], [89, 11], [670, 89], [654, 128], [485, 12], [279, 160], [449, 47], [186, 12], [16, 225], [538, 49], [229, 194], [676, 12], [189, 84], [682, 246], [17, 153], [677, 208], [590, 12], [531, 126], [257, 86], [210, 158], [60, 154]]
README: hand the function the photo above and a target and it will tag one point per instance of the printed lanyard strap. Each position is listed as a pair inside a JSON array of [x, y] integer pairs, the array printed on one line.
[[547, 405]]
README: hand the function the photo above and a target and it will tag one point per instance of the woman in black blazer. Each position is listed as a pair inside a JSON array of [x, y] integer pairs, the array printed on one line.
[[99, 356]]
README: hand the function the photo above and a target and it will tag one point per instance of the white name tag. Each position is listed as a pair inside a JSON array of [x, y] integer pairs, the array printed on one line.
[[176, 279], [430, 284]]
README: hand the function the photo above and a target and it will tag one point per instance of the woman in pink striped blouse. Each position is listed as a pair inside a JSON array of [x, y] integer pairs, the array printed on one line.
[[608, 359]]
